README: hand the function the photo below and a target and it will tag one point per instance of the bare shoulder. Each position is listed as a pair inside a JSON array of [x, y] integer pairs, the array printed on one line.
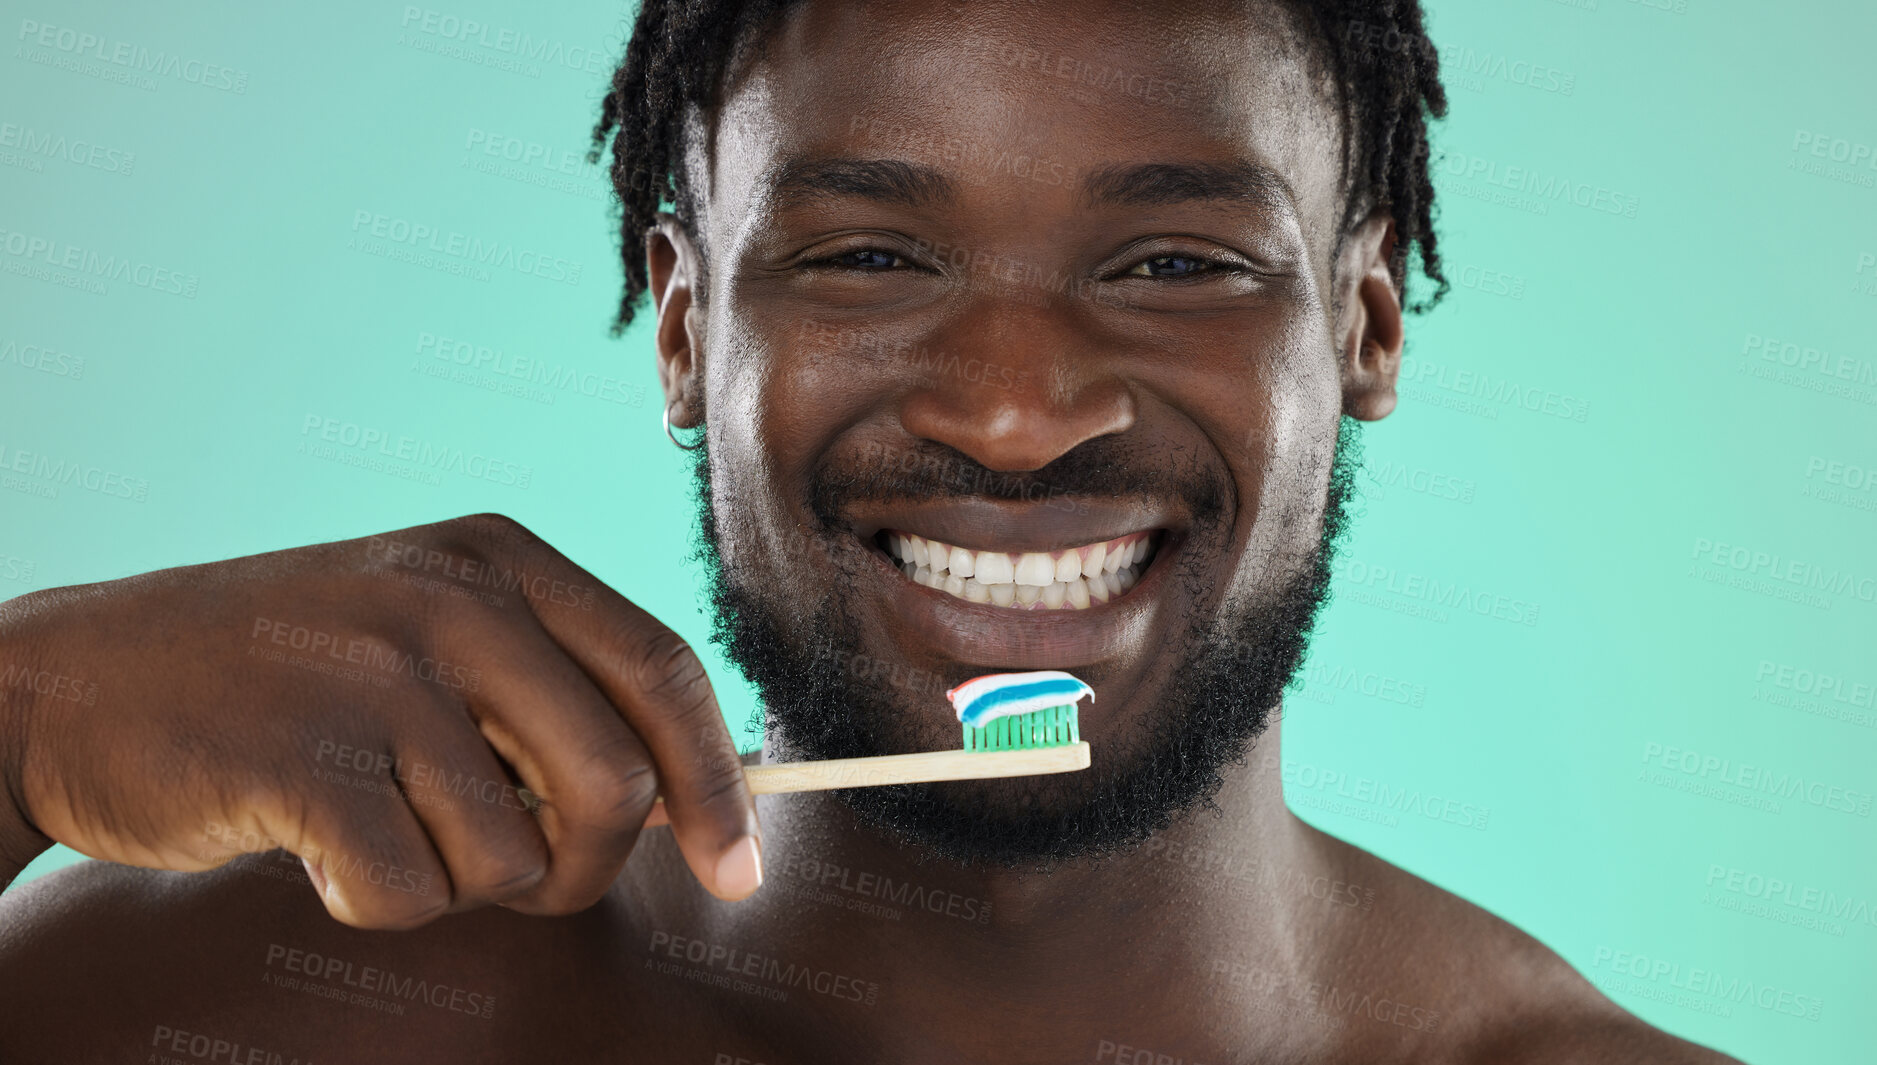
[[1502, 997], [108, 962], [1562, 1038]]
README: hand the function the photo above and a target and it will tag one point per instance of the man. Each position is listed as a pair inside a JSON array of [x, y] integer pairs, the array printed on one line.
[[948, 286]]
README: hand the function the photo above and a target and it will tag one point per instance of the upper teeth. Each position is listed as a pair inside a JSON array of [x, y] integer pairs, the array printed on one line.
[[1072, 578]]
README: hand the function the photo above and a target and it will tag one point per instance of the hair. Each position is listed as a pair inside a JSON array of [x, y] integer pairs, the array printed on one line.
[[1378, 58]]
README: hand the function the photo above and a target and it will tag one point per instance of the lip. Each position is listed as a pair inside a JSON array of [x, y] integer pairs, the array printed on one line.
[[936, 623]]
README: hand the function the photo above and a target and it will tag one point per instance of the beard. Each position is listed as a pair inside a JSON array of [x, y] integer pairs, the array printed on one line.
[[1230, 677]]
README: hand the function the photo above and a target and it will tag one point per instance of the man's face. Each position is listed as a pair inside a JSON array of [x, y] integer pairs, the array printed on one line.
[[1021, 279]]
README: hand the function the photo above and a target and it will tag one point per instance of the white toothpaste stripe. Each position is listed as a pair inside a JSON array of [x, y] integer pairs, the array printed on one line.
[[976, 701], [970, 689]]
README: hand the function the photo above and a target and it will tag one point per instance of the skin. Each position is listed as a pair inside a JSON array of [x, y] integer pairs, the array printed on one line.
[[1209, 945]]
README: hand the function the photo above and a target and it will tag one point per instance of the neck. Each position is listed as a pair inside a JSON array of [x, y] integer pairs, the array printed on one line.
[[1134, 938]]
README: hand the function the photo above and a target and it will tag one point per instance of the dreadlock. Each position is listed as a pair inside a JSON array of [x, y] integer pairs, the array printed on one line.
[[1377, 55]]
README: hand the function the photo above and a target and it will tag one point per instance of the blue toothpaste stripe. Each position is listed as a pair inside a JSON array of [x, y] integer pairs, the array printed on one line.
[[1018, 694]]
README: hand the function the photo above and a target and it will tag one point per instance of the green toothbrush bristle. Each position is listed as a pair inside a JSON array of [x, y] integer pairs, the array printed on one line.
[[1051, 726]]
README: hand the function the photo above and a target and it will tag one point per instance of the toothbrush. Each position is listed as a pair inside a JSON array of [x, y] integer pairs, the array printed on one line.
[[1014, 725]]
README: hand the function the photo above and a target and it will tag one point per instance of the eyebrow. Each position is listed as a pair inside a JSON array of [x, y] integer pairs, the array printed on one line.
[[900, 183], [887, 181], [1166, 184]]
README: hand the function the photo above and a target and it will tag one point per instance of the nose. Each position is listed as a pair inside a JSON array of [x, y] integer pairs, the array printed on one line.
[[1018, 385]]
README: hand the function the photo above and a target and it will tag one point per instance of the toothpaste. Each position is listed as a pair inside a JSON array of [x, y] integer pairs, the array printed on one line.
[[984, 699]]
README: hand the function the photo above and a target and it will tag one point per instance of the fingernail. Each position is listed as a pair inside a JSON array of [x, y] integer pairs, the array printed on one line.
[[740, 870]]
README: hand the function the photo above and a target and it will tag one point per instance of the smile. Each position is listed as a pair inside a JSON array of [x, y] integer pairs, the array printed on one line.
[[1070, 579]]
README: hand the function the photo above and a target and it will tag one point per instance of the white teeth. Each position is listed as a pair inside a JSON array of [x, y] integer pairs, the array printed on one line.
[[1080, 578], [1035, 569], [1068, 567], [963, 563], [1078, 594], [994, 568]]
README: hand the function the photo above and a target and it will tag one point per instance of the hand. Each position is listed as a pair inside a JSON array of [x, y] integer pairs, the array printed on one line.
[[389, 709]]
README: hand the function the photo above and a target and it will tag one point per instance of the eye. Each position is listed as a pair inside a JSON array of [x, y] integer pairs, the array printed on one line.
[[866, 260], [1178, 266]]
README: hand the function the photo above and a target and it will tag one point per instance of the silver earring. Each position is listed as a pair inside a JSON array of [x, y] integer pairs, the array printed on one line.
[[674, 439]]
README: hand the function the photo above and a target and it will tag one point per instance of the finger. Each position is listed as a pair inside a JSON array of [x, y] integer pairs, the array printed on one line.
[[371, 862], [657, 681], [651, 676], [592, 777], [493, 849]]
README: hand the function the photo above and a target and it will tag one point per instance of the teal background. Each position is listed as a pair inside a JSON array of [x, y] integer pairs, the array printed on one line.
[[1689, 110]]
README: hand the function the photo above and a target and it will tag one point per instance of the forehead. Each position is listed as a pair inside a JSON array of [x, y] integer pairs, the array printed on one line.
[[987, 88]]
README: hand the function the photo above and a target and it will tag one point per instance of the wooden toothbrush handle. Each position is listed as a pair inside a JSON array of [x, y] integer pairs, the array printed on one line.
[[921, 768], [780, 777]]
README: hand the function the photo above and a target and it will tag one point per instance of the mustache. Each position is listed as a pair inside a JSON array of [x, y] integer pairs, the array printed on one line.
[[1105, 467]]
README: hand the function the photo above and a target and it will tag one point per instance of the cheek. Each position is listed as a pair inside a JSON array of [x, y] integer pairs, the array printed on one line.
[[1260, 391], [758, 400], [793, 383], [1274, 421], [737, 383], [774, 406]]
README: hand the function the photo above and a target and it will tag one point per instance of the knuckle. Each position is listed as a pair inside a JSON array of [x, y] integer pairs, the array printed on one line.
[[721, 786], [558, 899], [493, 522], [393, 915], [666, 669], [253, 814], [711, 758], [612, 797], [496, 534], [506, 876]]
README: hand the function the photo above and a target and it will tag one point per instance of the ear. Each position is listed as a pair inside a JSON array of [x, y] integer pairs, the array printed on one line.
[[1369, 335], [673, 269]]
